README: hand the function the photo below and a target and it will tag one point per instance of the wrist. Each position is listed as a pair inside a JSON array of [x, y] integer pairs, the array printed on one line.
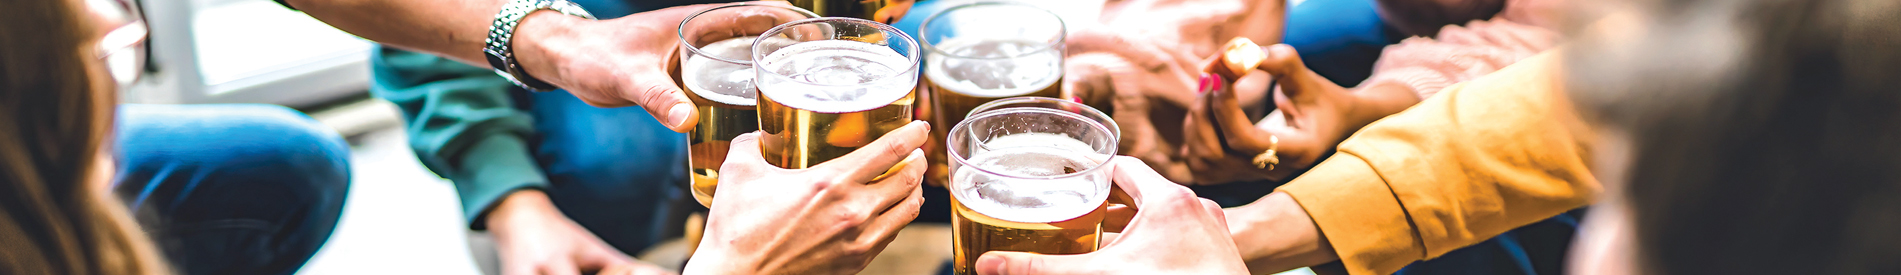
[[518, 205], [1276, 234], [540, 44]]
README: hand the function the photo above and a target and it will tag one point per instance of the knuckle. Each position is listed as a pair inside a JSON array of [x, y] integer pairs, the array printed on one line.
[[897, 149], [859, 250], [852, 218], [656, 95]]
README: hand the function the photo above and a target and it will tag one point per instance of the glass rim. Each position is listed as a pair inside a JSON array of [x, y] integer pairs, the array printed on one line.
[[963, 163], [680, 32], [1109, 122], [924, 30], [914, 59]]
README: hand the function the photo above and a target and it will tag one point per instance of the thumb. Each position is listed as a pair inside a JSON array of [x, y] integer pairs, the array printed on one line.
[[1021, 263], [665, 101], [743, 159], [1296, 81]]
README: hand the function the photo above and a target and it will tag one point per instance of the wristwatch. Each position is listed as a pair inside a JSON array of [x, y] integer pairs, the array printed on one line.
[[501, 54]]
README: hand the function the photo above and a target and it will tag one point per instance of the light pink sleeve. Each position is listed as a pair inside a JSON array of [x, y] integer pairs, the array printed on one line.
[[1458, 54]]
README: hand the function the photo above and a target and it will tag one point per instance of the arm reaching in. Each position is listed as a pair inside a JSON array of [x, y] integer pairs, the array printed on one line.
[[609, 63], [1174, 232], [1480, 158], [828, 219]]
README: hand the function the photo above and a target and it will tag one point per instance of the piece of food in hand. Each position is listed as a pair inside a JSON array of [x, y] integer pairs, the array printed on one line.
[[1236, 59]]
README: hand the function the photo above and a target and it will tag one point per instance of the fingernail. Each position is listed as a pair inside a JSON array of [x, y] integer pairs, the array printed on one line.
[[990, 265], [1209, 83], [678, 114]]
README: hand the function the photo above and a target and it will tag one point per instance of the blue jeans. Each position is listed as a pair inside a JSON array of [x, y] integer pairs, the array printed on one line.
[[231, 189], [618, 172]]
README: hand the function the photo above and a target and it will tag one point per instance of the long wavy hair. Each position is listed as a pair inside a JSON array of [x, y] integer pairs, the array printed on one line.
[[56, 110]]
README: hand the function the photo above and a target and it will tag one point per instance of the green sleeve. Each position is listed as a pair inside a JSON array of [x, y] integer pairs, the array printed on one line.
[[462, 124]]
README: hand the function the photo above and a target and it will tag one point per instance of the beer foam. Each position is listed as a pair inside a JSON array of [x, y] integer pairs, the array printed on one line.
[[982, 67], [836, 76], [720, 81], [1022, 194]]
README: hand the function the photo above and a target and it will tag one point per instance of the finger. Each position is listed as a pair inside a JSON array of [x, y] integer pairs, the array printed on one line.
[[872, 160], [517, 267], [1201, 138], [881, 229], [1299, 83], [599, 258], [657, 93], [1236, 129], [632, 268], [889, 191], [559, 267], [742, 160], [1143, 183], [1020, 263]]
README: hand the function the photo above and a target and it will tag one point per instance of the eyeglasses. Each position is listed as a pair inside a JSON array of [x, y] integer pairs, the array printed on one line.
[[123, 48]]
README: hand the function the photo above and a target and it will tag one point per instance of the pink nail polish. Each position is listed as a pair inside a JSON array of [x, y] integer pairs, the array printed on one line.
[[1210, 83], [1206, 81]]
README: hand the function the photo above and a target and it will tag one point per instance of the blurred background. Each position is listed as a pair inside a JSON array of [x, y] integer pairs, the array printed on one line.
[[399, 217]]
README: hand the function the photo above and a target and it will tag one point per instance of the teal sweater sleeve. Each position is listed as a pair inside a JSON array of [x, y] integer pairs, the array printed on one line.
[[462, 124]]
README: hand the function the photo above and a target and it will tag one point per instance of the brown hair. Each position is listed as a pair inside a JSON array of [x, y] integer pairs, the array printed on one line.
[[1766, 134], [55, 111]]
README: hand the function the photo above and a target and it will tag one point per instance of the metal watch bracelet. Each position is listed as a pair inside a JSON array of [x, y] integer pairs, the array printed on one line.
[[501, 53]]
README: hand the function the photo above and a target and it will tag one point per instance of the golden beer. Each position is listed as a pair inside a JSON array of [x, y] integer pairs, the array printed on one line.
[[967, 72], [974, 56], [715, 69], [1029, 196], [822, 99], [723, 93]]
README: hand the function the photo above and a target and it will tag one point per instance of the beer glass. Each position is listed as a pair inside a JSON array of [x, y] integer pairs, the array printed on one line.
[[971, 57], [1027, 175], [837, 85], [716, 72]]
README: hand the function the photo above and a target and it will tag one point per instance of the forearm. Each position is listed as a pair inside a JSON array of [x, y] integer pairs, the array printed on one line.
[[1275, 234], [456, 29], [452, 28]]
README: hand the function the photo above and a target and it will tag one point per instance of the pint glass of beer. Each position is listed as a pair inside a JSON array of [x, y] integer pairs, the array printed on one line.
[[716, 71], [837, 85], [979, 52], [1027, 175]]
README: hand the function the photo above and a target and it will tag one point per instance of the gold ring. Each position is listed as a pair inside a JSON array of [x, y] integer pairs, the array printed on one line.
[[1267, 160]]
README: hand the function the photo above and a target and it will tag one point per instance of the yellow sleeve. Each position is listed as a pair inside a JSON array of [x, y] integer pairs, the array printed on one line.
[[1478, 159]]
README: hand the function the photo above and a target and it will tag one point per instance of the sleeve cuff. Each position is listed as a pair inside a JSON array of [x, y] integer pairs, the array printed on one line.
[[491, 169], [1358, 214]]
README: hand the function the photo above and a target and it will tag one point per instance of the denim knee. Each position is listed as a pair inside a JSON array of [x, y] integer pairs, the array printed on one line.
[[232, 189]]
